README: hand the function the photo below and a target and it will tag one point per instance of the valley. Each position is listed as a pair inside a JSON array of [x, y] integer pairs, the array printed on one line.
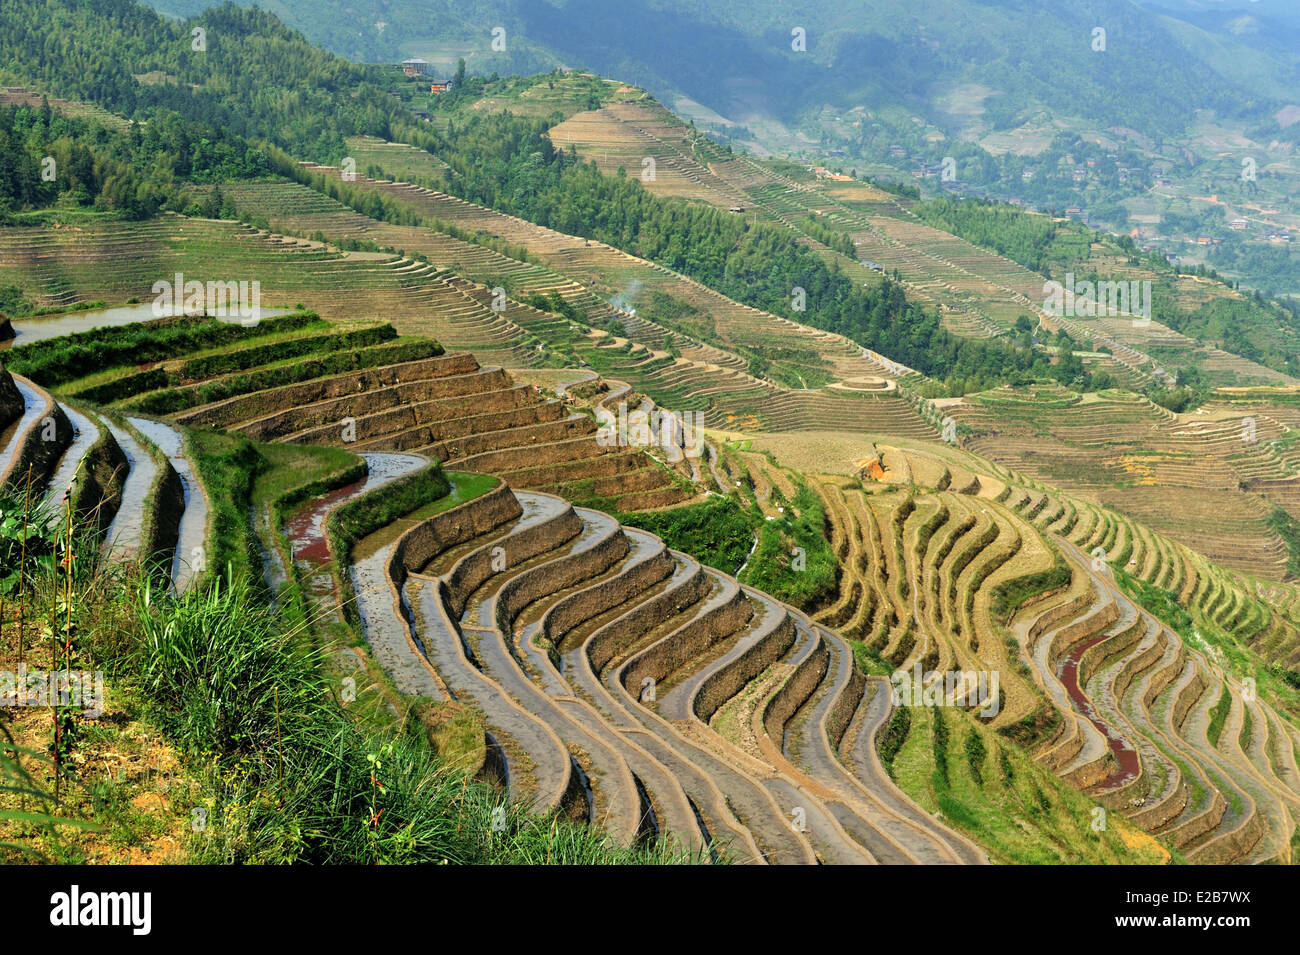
[[584, 488]]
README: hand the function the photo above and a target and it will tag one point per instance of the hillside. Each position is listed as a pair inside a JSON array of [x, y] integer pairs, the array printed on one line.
[[879, 82], [538, 510]]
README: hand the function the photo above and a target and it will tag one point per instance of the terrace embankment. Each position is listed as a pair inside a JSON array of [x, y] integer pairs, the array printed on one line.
[[1105, 693], [504, 593]]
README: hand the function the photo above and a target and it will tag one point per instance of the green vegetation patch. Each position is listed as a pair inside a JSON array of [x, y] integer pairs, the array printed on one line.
[[57, 361]]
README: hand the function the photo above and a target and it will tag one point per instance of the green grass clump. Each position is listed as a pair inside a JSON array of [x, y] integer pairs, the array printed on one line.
[[291, 779], [894, 736], [115, 389], [1020, 814], [381, 507], [716, 531], [789, 557], [1287, 528], [219, 670], [794, 560], [220, 363], [1218, 714], [368, 513], [1011, 595]]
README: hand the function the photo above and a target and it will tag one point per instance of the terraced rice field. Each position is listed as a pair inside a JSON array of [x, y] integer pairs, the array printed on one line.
[[700, 377], [1120, 702], [600, 659], [1227, 464], [119, 261], [613, 272], [629, 685], [977, 292]]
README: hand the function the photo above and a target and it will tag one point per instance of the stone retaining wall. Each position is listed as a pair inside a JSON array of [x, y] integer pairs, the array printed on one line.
[[669, 655], [35, 451], [472, 570], [244, 407], [101, 478], [590, 603]]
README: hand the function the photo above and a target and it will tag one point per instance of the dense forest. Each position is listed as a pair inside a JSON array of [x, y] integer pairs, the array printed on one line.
[[47, 157], [245, 72], [1254, 327], [1026, 239]]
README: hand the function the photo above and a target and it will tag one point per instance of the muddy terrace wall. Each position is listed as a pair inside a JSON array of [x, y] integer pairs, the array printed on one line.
[[1083, 629], [34, 451], [649, 500], [243, 407], [1135, 667], [363, 400], [1064, 748], [843, 710], [616, 637], [1208, 820], [100, 481], [529, 436], [665, 657], [11, 399], [794, 692], [473, 569], [1164, 678], [643, 479], [723, 684], [606, 464], [1156, 816], [1192, 691], [395, 426], [1235, 844], [422, 543], [557, 575], [468, 425], [1092, 772], [427, 436], [537, 455], [1061, 612], [588, 604], [1098, 655], [162, 524]]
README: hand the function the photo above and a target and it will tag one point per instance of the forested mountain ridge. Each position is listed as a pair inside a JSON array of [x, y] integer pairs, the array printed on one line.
[[1000, 61], [206, 118], [245, 71]]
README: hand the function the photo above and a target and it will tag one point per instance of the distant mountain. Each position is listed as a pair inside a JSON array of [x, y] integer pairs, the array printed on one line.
[[967, 66]]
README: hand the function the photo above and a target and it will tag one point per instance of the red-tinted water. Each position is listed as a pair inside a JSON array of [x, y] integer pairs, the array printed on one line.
[[306, 528], [306, 532], [1124, 752]]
